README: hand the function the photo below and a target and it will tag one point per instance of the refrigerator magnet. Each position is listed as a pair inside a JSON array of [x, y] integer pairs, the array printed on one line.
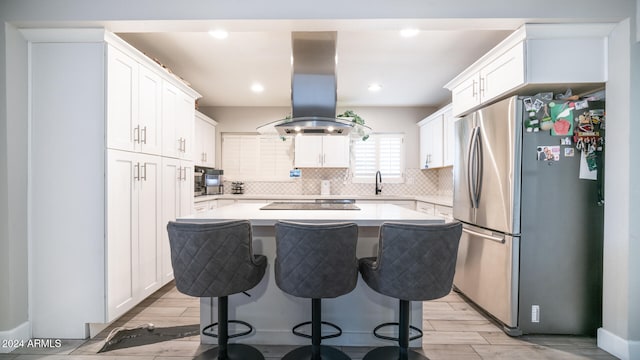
[[568, 152], [548, 153]]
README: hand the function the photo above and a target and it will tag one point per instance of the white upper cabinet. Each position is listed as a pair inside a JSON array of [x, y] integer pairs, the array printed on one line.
[[133, 105], [448, 136], [149, 111], [205, 140], [122, 100], [177, 123], [321, 151], [535, 54], [437, 139]]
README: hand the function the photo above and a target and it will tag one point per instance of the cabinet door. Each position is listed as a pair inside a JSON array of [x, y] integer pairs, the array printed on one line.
[[149, 225], [434, 142], [424, 147], [185, 116], [503, 74], [186, 189], [448, 137], [308, 151], [149, 114], [466, 95], [205, 145], [122, 209], [171, 175], [335, 151], [171, 140], [209, 145], [122, 101]]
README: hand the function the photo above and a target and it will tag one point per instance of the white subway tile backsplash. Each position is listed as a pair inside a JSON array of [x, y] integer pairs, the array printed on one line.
[[424, 182]]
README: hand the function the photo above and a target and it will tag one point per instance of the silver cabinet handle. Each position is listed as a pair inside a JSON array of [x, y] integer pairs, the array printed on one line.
[[136, 134], [180, 144], [499, 239], [179, 174], [324, 158], [184, 145], [184, 177], [144, 135], [136, 172], [482, 81], [474, 93], [144, 167]]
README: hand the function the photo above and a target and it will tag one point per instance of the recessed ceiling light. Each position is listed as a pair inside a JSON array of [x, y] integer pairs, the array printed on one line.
[[219, 34], [257, 88], [374, 87], [409, 32]]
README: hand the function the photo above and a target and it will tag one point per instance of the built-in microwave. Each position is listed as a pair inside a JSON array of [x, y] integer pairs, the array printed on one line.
[[207, 181]]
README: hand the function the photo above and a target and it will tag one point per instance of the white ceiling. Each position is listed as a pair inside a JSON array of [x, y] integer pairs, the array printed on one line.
[[412, 71]]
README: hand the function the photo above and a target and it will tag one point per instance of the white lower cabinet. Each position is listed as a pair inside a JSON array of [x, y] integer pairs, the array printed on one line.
[[177, 201], [133, 229]]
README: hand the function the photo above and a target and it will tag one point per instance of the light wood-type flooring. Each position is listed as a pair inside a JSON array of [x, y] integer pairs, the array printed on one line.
[[453, 329]]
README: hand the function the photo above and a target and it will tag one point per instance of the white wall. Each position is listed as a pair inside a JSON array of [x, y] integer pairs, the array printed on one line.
[[13, 186], [620, 322]]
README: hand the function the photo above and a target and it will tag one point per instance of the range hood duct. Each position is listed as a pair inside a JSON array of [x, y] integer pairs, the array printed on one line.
[[313, 78], [313, 89]]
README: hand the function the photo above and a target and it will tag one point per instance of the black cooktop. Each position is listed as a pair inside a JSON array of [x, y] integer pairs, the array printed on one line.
[[292, 205]]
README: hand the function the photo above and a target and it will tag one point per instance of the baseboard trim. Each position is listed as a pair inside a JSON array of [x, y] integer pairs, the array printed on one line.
[[11, 339], [617, 346]]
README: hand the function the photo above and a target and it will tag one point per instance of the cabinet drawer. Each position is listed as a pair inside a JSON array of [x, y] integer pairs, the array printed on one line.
[[444, 211], [201, 206], [426, 208]]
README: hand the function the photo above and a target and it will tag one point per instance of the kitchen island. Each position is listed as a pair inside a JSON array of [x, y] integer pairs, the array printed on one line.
[[273, 313]]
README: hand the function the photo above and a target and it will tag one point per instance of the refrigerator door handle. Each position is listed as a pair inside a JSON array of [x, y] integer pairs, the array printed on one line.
[[471, 167], [479, 163], [499, 239]]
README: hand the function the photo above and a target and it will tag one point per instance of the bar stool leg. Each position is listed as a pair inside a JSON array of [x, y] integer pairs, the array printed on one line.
[[402, 351], [226, 351], [316, 328], [223, 328]]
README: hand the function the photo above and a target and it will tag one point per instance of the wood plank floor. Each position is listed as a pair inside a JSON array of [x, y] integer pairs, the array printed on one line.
[[453, 329]]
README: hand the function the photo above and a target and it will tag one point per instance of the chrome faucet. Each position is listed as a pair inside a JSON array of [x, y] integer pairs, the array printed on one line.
[[378, 182]]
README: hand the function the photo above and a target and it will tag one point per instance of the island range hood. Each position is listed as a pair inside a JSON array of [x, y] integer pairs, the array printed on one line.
[[314, 89]]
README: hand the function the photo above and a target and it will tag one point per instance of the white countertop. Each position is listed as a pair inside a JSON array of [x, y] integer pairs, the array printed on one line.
[[368, 215], [435, 199]]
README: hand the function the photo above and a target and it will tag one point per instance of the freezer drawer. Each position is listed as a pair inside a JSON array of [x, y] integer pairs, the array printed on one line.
[[487, 272]]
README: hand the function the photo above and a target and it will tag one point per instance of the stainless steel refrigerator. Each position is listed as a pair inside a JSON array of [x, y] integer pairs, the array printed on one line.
[[531, 250]]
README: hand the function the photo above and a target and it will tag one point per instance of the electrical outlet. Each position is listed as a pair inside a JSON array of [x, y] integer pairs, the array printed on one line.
[[535, 313]]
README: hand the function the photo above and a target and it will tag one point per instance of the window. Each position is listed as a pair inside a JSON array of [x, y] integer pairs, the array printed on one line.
[[256, 157], [384, 152]]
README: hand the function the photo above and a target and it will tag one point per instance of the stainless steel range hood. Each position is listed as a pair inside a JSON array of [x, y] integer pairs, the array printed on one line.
[[314, 89]]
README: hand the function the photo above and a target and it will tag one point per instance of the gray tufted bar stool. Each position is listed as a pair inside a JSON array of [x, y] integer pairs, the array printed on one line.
[[216, 260], [316, 261], [414, 263]]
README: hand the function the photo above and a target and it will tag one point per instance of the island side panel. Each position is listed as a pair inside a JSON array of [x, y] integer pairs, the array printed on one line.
[[273, 313]]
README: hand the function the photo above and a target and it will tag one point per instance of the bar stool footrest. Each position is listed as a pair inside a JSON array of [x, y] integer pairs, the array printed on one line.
[[234, 352], [393, 353], [298, 333], [326, 353], [206, 332], [375, 332]]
